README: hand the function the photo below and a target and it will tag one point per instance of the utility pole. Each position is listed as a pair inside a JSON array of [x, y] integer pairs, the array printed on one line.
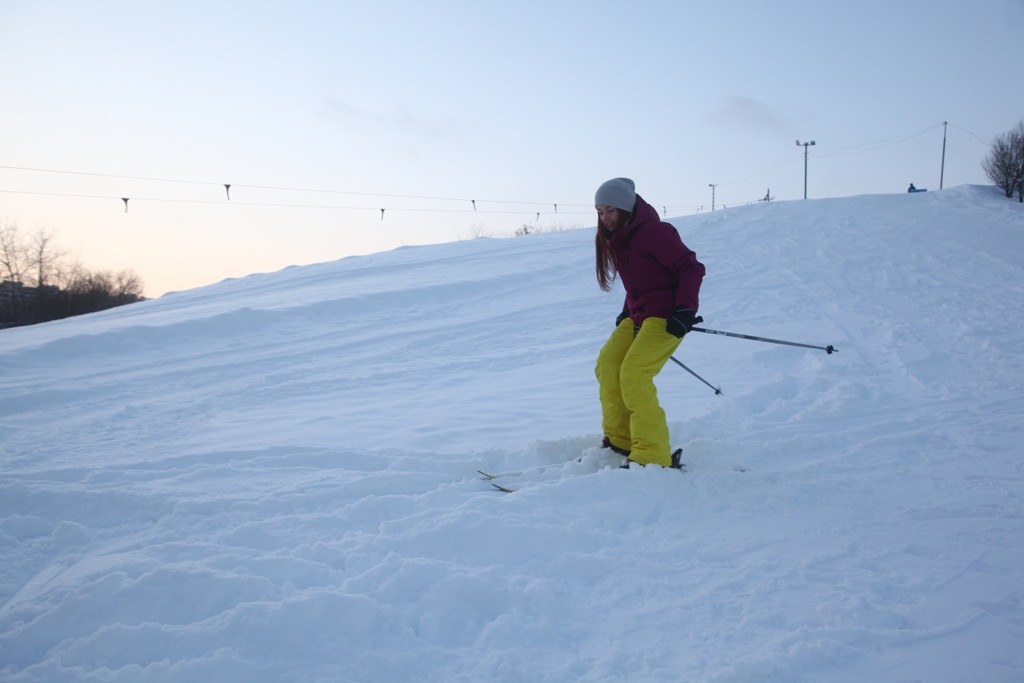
[[805, 145], [942, 171], [712, 186]]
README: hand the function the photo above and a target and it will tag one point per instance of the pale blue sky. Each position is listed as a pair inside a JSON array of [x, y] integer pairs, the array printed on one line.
[[409, 105]]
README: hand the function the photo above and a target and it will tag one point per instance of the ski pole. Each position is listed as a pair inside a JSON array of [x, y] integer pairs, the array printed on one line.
[[718, 392], [827, 349]]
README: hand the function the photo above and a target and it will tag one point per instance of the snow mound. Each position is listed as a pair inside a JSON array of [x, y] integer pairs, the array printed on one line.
[[274, 478]]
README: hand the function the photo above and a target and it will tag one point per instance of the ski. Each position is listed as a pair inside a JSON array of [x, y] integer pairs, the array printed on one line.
[[492, 477], [626, 465], [677, 462], [519, 473]]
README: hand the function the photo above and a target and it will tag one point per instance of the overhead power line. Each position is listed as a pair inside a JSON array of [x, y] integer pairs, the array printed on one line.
[[878, 144], [282, 188], [470, 205], [289, 205]]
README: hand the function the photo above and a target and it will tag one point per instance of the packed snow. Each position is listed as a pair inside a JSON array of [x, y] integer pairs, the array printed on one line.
[[275, 478]]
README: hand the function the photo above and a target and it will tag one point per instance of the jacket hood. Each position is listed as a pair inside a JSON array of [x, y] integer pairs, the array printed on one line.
[[642, 213]]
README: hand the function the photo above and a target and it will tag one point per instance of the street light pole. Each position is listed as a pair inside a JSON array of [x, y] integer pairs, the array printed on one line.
[[712, 186], [805, 146], [942, 170]]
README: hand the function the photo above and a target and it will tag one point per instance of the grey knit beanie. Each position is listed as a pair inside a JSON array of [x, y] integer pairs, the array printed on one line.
[[617, 192]]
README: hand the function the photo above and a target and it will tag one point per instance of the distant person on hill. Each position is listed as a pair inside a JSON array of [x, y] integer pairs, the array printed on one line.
[[911, 188], [662, 279]]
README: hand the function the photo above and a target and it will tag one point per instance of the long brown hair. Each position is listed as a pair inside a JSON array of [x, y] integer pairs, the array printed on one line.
[[604, 263]]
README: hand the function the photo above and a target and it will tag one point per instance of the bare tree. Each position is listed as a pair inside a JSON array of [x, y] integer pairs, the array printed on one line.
[[68, 272], [128, 286], [44, 256], [62, 286], [1004, 164], [1019, 154], [12, 253]]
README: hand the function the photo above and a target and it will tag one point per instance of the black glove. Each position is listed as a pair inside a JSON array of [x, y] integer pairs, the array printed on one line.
[[681, 322], [622, 316]]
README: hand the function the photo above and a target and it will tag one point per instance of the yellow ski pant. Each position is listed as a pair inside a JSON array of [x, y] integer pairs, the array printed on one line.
[[631, 416]]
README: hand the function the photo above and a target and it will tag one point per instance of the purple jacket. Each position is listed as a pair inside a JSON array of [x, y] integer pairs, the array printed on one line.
[[659, 272]]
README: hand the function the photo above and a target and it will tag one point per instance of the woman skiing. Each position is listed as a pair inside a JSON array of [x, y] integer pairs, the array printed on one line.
[[662, 280]]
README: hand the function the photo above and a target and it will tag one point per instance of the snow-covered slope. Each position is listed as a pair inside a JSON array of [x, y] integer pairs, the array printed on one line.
[[273, 478]]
